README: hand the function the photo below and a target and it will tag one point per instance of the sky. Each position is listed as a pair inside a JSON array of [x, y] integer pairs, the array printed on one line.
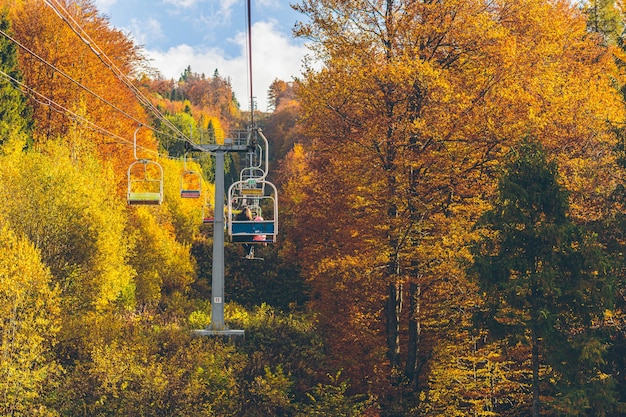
[[212, 34]]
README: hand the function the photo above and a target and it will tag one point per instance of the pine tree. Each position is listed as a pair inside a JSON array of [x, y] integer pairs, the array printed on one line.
[[545, 282], [14, 114]]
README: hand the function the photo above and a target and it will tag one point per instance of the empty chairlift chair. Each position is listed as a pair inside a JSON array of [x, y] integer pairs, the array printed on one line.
[[145, 183], [190, 184], [145, 180]]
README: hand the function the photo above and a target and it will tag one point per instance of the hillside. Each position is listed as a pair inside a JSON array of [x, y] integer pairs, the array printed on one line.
[[450, 183]]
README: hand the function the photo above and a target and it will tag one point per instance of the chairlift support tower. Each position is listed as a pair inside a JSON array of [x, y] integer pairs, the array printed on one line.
[[217, 326]]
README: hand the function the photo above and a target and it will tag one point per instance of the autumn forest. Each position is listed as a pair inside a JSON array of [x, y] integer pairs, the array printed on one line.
[[451, 180]]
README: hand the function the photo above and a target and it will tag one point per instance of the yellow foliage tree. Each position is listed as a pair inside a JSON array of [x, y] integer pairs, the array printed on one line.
[[72, 215], [164, 266], [29, 307]]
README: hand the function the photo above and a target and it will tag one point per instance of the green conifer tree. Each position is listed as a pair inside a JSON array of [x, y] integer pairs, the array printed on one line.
[[545, 281], [15, 122]]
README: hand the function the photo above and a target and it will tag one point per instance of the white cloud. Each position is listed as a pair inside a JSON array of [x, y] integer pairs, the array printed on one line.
[[268, 3], [181, 3], [173, 62], [226, 8], [273, 56], [103, 6], [144, 31]]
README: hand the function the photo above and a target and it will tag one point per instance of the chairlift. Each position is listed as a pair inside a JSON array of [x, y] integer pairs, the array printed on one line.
[[145, 180], [251, 187], [251, 173], [257, 159], [255, 156], [190, 182], [251, 231], [252, 177]]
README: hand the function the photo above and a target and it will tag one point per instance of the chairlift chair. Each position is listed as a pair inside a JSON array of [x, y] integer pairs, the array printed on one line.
[[244, 231], [145, 183], [190, 184], [145, 180]]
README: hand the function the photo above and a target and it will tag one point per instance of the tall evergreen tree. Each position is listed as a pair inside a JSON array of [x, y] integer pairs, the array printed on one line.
[[545, 282], [14, 114], [612, 232]]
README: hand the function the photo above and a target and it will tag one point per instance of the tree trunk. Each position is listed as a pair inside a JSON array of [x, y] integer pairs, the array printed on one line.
[[414, 332], [393, 310], [535, 367]]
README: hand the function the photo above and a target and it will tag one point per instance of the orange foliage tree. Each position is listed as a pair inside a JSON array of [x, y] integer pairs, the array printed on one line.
[[405, 123], [68, 82]]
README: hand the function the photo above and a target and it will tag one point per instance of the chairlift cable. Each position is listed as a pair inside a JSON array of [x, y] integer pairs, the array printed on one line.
[[249, 9], [45, 101], [85, 88], [84, 36]]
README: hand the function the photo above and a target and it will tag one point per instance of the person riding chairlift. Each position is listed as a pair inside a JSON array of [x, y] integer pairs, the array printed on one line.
[[245, 215], [261, 238]]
